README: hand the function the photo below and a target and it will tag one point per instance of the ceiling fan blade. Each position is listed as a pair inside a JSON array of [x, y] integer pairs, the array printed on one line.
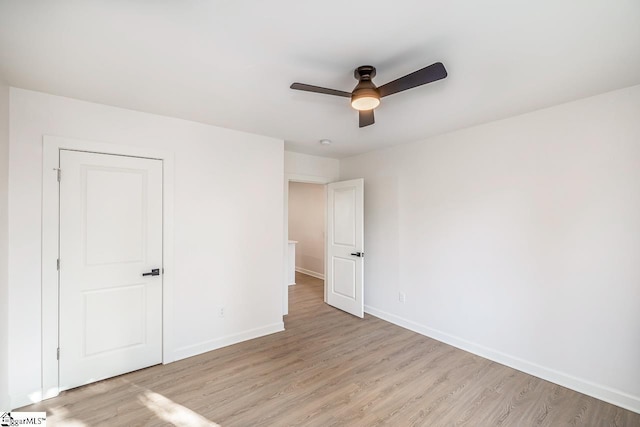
[[418, 78], [318, 89], [366, 118]]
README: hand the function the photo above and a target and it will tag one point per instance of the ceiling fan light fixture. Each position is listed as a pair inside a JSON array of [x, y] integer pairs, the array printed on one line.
[[366, 96], [365, 103], [365, 99]]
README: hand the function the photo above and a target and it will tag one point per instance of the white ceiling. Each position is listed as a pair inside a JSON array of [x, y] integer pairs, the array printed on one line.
[[230, 63]]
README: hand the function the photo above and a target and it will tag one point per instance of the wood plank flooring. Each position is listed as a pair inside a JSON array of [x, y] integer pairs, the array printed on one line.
[[329, 368]]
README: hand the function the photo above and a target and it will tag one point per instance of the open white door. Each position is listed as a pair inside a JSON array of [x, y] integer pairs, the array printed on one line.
[[110, 266], [345, 246]]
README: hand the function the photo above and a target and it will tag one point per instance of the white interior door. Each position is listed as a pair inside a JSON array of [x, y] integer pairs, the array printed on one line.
[[110, 235], [345, 246]]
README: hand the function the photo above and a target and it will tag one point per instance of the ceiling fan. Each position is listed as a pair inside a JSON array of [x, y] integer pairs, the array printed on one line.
[[365, 97]]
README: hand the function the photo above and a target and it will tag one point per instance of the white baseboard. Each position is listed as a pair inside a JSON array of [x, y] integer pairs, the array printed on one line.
[[613, 396], [310, 273], [203, 347]]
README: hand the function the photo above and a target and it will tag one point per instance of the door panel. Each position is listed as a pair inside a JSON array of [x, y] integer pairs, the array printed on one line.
[[345, 226], [344, 230], [110, 234], [114, 225], [121, 331], [344, 277]]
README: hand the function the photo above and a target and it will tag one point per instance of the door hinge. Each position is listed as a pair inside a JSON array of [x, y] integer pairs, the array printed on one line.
[[58, 264], [58, 172], [58, 353]]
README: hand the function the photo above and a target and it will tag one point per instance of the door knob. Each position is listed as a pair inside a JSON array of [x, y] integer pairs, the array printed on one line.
[[154, 272], [358, 254]]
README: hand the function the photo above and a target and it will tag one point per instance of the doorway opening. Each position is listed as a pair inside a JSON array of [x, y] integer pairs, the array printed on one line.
[[343, 286], [289, 267], [306, 239]]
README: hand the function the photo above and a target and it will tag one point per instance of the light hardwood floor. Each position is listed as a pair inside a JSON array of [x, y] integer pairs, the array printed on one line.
[[329, 368]]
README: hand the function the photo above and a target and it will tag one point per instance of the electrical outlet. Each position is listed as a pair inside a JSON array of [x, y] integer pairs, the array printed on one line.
[[220, 311], [402, 297]]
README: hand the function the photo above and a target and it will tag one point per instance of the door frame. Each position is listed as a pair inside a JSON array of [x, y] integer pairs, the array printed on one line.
[[307, 179], [51, 146]]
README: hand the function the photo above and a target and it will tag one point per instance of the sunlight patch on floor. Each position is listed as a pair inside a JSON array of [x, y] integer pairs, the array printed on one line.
[[172, 412]]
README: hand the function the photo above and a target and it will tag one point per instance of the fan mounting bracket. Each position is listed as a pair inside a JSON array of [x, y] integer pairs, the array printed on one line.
[[364, 72]]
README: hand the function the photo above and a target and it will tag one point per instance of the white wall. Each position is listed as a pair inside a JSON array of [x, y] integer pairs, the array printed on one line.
[[518, 240], [306, 165], [306, 225], [228, 223], [4, 238]]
